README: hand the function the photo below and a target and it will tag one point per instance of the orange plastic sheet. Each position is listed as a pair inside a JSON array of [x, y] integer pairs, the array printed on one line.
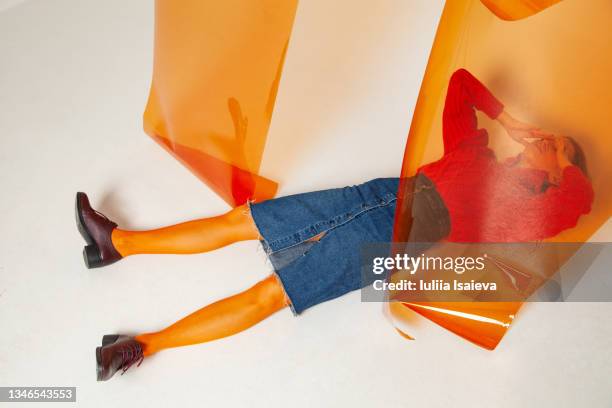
[[517, 9], [217, 67], [549, 63]]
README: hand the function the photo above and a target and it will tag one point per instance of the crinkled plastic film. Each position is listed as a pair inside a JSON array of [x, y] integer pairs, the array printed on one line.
[[217, 67], [549, 62]]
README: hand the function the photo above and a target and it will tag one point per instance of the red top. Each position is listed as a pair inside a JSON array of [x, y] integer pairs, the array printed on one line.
[[493, 202]]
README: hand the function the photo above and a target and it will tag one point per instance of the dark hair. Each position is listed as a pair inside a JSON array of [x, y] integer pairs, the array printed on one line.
[[579, 159]]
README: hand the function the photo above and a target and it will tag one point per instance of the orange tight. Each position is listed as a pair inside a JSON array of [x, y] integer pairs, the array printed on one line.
[[222, 318], [189, 237]]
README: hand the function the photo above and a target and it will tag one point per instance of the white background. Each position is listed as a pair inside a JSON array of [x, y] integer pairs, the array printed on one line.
[[74, 77]]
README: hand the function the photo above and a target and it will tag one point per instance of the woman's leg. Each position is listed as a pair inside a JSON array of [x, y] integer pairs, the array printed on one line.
[[220, 319], [189, 237]]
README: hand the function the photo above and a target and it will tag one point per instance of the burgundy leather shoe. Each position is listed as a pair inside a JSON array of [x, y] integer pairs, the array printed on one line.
[[117, 353], [96, 229]]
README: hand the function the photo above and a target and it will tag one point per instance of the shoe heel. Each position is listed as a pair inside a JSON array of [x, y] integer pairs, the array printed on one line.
[[109, 339], [91, 255]]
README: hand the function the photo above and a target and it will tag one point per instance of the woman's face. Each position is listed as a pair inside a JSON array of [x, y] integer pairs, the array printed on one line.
[[541, 155]]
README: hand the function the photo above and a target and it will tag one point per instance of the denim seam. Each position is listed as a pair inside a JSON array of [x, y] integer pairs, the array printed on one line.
[[295, 236]]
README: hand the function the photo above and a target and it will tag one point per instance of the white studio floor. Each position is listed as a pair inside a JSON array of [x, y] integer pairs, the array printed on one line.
[[74, 77]]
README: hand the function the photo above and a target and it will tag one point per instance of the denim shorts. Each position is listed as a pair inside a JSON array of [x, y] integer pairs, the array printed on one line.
[[313, 240]]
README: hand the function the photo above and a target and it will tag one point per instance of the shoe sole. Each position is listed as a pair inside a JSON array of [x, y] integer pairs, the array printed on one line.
[[99, 363], [91, 252], [79, 219]]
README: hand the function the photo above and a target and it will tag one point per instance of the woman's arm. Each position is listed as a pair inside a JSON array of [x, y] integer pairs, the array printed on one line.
[[464, 96]]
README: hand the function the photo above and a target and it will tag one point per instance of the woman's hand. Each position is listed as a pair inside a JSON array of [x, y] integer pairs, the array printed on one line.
[[517, 130]]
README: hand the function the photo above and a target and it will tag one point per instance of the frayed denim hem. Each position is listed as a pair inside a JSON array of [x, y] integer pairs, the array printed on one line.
[[266, 247]]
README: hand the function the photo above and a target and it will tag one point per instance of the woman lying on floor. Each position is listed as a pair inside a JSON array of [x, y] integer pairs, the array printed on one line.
[[313, 239]]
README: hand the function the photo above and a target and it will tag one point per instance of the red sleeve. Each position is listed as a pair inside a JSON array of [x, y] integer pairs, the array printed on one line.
[[546, 215], [460, 126]]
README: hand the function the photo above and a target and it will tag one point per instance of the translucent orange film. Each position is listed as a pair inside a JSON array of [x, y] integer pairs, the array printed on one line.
[[547, 64], [216, 72], [517, 9]]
